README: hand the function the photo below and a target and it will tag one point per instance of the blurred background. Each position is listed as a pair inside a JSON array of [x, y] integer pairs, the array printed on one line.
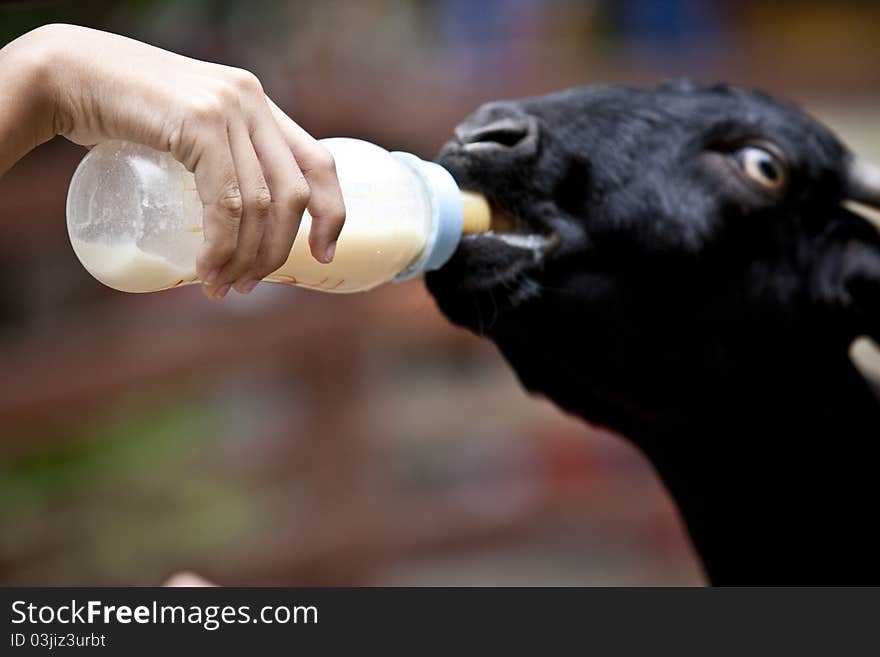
[[292, 437]]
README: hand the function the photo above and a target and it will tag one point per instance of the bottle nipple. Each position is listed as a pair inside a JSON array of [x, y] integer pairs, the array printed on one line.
[[476, 213]]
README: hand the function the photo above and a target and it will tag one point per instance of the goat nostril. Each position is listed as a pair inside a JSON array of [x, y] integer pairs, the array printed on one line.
[[507, 133], [505, 137]]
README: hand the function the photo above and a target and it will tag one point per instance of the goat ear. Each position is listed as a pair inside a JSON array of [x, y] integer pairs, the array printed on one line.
[[848, 274]]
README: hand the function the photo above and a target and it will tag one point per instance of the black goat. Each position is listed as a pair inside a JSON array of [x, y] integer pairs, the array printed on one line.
[[687, 275]]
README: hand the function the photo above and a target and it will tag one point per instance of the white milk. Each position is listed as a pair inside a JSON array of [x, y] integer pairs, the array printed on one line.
[[366, 256], [135, 220], [362, 261], [127, 268]]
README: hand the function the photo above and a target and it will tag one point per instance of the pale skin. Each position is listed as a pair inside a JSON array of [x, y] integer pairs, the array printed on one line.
[[256, 170]]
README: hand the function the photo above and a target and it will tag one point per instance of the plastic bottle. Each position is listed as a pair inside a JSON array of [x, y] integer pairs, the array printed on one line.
[[135, 219]]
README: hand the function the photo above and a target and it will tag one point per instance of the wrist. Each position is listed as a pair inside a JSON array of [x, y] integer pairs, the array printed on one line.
[[37, 59], [27, 76]]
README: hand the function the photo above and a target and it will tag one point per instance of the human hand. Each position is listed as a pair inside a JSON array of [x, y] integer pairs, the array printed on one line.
[[256, 170], [186, 579]]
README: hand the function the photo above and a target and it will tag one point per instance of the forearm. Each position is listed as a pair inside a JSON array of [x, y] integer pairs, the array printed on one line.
[[26, 105]]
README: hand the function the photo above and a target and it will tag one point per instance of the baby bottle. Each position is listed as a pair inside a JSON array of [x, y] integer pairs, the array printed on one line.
[[135, 219]]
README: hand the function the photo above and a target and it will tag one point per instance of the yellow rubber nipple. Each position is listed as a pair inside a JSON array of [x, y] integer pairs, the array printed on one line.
[[476, 211]]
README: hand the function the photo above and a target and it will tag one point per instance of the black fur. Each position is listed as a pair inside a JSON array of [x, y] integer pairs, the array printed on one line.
[[705, 319]]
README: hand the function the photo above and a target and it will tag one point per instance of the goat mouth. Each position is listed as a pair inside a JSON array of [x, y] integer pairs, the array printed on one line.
[[511, 231], [513, 247], [517, 244]]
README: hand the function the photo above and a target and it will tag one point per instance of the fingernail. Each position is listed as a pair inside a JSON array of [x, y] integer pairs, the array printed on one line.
[[248, 287], [222, 291], [212, 276], [330, 252]]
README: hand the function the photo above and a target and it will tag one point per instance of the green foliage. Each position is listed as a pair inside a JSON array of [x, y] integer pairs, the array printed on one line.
[[108, 453]]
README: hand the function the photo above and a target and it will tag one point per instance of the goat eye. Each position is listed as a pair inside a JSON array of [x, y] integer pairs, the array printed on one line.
[[762, 167]]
